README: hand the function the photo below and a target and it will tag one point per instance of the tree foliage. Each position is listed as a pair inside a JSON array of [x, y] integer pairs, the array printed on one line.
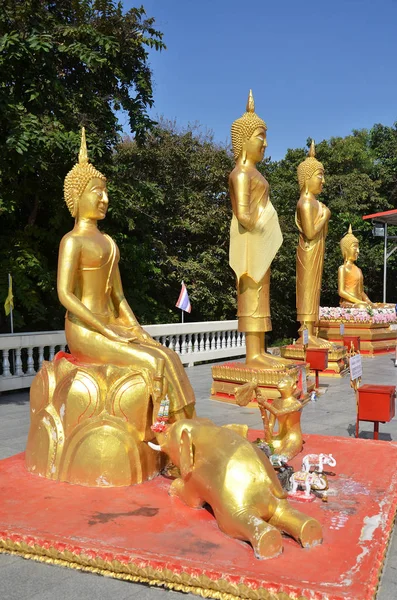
[[62, 65], [171, 193]]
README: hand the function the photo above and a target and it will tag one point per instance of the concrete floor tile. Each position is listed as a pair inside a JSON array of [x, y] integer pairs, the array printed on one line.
[[23, 579]]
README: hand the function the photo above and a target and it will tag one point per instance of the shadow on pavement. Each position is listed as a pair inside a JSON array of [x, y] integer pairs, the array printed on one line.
[[368, 435], [13, 397]]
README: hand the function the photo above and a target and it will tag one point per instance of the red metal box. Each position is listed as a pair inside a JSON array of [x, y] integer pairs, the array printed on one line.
[[317, 358], [376, 402], [348, 340]]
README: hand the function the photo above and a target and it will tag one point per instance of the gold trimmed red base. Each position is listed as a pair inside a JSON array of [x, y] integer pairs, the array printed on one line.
[[375, 338], [140, 533], [228, 377], [337, 359]]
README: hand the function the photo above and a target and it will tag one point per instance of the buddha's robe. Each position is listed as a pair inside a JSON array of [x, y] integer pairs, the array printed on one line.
[[309, 271], [353, 286], [251, 252]]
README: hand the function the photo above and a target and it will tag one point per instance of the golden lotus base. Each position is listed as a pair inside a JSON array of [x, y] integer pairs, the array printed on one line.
[[337, 358], [375, 338], [228, 377], [89, 424]]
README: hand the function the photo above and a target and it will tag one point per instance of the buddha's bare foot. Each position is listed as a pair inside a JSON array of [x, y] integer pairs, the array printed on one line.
[[269, 361], [316, 342]]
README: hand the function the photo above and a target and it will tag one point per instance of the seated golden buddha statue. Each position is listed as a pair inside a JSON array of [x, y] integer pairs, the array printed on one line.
[[92, 411], [255, 237], [311, 218], [350, 277]]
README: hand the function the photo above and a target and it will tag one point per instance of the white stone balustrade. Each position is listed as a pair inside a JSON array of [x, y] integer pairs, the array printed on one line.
[[22, 354]]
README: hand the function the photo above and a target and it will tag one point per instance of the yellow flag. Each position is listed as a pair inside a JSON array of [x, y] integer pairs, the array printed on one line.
[[9, 303]]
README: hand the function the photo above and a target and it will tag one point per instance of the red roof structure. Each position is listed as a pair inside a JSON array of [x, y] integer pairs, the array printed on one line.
[[389, 217]]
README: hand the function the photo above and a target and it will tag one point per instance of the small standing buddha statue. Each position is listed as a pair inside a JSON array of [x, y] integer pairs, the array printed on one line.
[[255, 237], [350, 277], [92, 411], [311, 219]]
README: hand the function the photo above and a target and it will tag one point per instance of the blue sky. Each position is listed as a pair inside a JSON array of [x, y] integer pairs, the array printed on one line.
[[317, 69]]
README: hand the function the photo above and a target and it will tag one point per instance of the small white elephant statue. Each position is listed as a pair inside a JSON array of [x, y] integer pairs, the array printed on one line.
[[317, 461], [307, 480]]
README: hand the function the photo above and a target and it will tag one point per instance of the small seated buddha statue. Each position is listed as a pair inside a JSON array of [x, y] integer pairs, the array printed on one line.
[[92, 411], [350, 277], [311, 218], [255, 237]]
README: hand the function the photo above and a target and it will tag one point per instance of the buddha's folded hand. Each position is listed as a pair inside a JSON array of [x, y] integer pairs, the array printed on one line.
[[119, 334], [140, 335]]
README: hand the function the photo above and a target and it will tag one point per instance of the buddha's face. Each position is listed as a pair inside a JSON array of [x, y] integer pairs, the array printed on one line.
[[254, 148], [93, 202], [353, 252], [316, 182]]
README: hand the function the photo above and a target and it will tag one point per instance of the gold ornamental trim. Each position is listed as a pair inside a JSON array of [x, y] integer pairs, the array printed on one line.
[[201, 585], [247, 375], [329, 323], [297, 352]]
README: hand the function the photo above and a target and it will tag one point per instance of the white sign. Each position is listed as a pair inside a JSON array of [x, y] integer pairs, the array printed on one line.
[[356, 367], [305, 335], [342, 329]]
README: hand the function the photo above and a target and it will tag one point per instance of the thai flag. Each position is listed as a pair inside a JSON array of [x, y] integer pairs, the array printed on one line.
[[183, 301]]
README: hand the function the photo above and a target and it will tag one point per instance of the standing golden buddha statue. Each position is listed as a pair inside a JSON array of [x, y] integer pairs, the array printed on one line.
[[255, 236], [311, 218], [92, 411]]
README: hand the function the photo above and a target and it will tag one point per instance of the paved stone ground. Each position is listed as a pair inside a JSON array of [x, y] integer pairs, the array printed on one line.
[[332, 414]]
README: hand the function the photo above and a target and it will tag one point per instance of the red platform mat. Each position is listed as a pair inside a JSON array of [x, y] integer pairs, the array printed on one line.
[[140, 533]]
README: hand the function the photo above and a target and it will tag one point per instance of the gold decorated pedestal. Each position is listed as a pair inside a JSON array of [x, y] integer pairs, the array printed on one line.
[[90, 424], [375, 338], [337, 357], [227, 378]]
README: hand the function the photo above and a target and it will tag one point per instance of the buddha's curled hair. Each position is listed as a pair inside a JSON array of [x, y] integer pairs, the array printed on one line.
[[79, 176], [244, 127]]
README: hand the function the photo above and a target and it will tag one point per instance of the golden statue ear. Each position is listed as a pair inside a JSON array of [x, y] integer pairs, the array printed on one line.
[[75, 196], [186, 453], [244, 155]]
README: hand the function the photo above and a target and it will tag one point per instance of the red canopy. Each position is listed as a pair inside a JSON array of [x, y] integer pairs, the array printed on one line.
[[389, 217]]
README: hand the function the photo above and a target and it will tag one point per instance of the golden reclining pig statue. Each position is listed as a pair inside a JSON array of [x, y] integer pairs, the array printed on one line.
[[220, 467]]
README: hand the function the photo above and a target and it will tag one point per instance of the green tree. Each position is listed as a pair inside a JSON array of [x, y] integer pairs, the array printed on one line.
[[171, 195], [62, 65], [383, 143]]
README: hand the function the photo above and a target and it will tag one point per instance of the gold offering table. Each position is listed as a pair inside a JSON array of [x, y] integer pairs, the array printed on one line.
[[337, 357], [227, 378], [376, 331]]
